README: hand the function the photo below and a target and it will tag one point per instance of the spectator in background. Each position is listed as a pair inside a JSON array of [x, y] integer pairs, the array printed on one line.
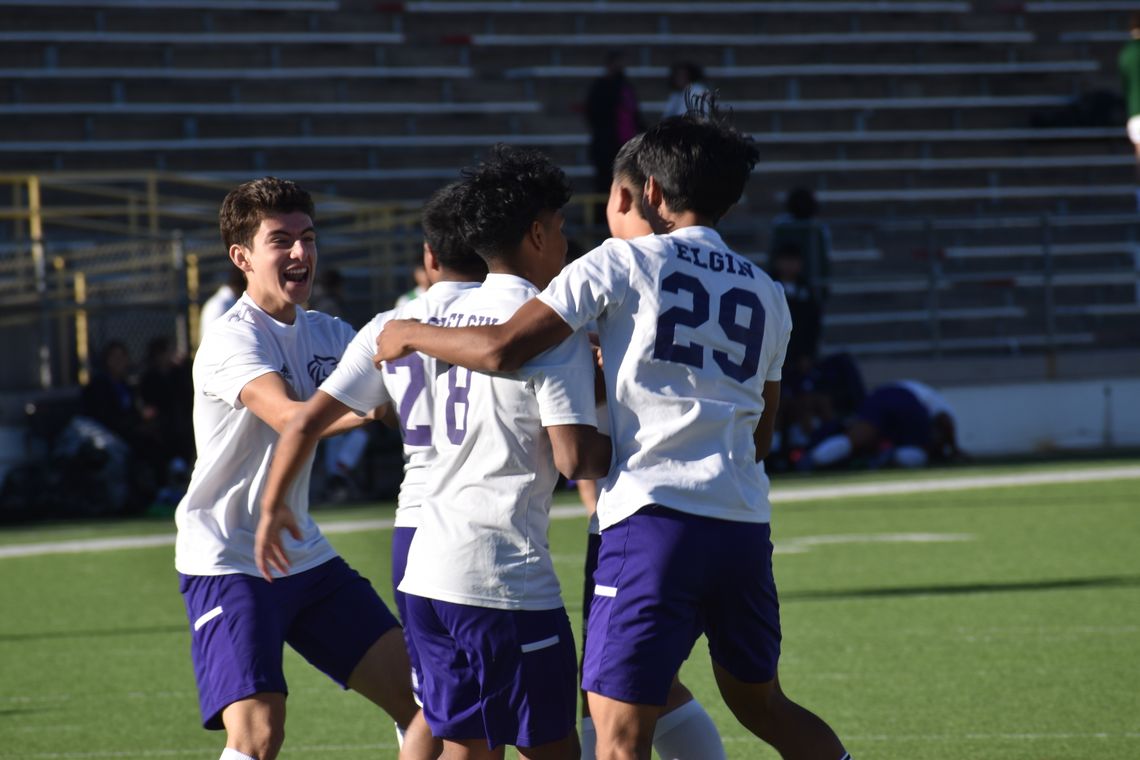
[[1129, 63], [686, 84], [787, 268], [167, 393], [224, 297], [420, 276], [799, 227], [614, 117], [905, 423], [110, 399]]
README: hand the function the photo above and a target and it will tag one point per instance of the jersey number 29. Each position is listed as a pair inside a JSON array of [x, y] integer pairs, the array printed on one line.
[[749, 335]]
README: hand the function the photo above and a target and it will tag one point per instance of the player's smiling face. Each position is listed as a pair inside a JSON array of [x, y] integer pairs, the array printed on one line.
[[280, 264]]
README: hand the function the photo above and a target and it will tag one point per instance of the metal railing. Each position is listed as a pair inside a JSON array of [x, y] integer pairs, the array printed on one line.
[[131, 256]]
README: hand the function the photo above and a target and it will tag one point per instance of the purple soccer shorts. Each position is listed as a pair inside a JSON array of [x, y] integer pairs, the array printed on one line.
[[240, 623], [663, 578]]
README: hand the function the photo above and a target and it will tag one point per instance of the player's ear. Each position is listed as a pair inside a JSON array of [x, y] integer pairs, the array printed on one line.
[[431, 261], [537, 234], [625, 200], [652, 192], [239, 255]]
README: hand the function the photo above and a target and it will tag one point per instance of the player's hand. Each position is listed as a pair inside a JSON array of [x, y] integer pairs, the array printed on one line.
[[268, 548], [392, 342]]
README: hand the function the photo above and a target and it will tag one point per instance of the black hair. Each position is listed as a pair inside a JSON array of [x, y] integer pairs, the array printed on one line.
[[440, 222], [625, 164], [700, 162], [801, 203], [504, 195]]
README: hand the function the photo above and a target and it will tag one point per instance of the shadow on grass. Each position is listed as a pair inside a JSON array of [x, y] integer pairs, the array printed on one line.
[[1016, 587], [147, 630]]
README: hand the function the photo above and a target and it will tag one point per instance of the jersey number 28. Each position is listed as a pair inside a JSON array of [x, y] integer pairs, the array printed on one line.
[[749, 335]]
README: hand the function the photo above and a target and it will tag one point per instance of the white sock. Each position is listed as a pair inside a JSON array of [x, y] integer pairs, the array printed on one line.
[[831, 450], [232, 754], [399, 735], [688, 733], [589, 740]]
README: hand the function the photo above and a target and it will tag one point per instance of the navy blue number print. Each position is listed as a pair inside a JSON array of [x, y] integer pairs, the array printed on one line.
[[457, 394], [665, 346], [416, 435], [750, 334]]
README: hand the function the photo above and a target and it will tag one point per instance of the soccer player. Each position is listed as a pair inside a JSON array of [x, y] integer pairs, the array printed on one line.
[[484, 605], [254, 366], [905, 423], [408, 385], [692, 338], [684, 730]]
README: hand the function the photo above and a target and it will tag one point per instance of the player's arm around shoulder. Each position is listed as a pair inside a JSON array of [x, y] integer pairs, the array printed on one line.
[[505, 347]]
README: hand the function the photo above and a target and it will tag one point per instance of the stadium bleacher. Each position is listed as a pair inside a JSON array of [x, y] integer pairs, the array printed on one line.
[[889, 110]]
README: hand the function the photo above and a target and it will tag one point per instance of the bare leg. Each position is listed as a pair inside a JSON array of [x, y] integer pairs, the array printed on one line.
[[382, 676], [762, 708], [625, 730], [470, 749], [255, 726]]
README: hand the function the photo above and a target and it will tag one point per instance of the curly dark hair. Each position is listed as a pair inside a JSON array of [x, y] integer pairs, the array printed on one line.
[[700, 161], [247, 204], [440, 222], [504, 195]]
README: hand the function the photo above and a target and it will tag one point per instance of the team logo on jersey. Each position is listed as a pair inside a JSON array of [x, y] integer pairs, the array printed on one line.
[[321, 367]]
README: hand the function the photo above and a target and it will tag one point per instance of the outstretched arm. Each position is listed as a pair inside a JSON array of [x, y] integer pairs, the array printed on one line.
[[271, 400], [534, 328], [298, 439]]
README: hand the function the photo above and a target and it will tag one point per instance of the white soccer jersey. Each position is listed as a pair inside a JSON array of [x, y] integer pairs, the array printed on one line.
[[689, 332], [482, 537], [217, 518], [409, 383]]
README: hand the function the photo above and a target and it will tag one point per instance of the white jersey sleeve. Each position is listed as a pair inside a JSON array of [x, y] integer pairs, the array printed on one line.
[[591, 285], [562, 379], [236, 356], [356, 382]]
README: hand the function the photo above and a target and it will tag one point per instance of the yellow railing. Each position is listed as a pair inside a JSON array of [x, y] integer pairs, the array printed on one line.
[[162, 253]]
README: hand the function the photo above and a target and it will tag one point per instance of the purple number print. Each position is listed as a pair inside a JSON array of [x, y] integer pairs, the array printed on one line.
[[457, 394], [416, 435]]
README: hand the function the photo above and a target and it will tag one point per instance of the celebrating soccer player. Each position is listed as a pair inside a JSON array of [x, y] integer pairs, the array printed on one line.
[[254, 364], [692, 338]]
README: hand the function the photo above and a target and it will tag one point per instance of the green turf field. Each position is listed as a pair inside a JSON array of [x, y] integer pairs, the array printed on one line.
[[1000, 622]]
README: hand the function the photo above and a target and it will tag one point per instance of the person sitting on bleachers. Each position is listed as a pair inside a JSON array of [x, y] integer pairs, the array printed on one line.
[[686, 85]]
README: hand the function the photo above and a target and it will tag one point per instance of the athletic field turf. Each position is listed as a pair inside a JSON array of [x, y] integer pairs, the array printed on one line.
[[996, 620]]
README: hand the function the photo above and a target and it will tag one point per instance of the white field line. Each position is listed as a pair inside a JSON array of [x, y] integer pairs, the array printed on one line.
[[779, 496]]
